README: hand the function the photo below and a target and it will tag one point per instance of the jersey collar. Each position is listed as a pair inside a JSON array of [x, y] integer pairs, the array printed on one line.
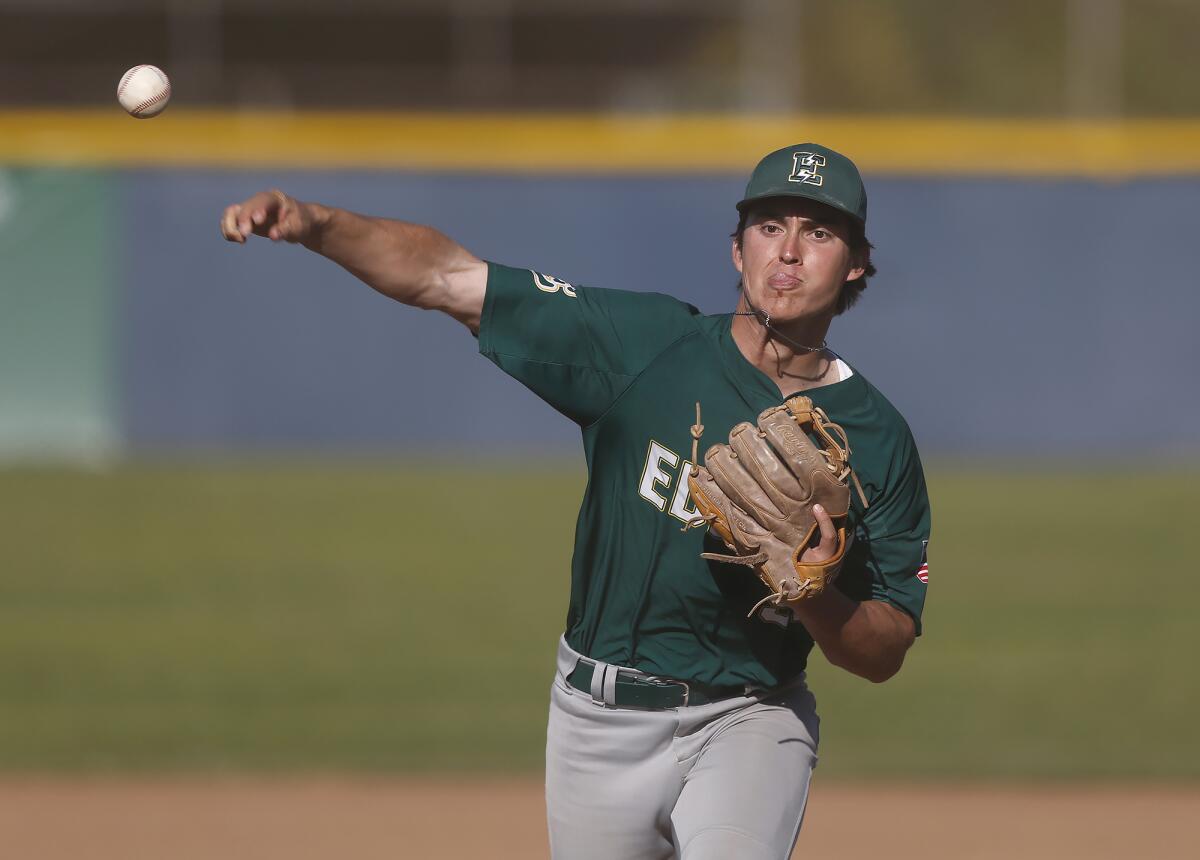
[[754, 382]]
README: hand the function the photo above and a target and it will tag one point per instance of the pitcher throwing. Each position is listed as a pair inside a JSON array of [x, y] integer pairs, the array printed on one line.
[[680, 722]]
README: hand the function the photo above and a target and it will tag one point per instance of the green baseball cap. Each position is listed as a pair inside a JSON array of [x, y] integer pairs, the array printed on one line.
[[813, 171]]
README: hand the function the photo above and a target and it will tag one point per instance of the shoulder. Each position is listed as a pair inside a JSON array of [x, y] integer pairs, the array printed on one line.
[[533, 281], [631, 319], [537, 316], [885, 411], [883, 449], [857, 402]]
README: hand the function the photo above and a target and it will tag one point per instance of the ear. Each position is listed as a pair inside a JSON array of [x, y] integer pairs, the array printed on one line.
[[858, 265], [736, 252]]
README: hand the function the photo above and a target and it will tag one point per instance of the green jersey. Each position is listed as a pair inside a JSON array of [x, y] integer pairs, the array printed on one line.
[[629, 368]]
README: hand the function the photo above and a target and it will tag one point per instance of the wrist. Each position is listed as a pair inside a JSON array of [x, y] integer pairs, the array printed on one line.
[[319, 219], [825, 614]]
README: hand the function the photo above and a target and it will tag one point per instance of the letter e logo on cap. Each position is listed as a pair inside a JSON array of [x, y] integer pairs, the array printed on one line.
[[804, 168]]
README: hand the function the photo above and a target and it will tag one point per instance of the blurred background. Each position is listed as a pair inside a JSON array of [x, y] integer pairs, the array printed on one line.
[[1046, 58], [239, 535]]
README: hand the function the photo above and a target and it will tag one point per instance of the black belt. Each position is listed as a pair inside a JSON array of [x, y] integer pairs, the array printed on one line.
[[655, 694]]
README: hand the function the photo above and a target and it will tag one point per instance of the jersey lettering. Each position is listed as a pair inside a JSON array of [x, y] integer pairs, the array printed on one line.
[[679, 502], [653, 475], [804, 168], [551, 284]]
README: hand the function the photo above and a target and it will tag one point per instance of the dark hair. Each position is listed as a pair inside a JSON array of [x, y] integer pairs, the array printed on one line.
[[860, 249]]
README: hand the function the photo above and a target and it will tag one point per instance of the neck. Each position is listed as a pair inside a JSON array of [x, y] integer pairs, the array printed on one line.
[[790, 353]]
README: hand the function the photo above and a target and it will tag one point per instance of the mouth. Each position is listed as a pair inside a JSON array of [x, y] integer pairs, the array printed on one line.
[[782, 281]]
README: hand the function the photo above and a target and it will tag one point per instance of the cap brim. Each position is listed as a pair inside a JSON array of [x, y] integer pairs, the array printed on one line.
[[814, 195]]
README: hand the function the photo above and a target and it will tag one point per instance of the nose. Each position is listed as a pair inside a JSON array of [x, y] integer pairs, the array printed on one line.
[[790, 252]]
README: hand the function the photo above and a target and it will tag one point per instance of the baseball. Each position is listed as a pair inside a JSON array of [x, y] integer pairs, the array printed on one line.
[[144, 91]]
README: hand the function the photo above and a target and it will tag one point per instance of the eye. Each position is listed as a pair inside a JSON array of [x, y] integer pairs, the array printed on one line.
[[821, 233], [771, 228]]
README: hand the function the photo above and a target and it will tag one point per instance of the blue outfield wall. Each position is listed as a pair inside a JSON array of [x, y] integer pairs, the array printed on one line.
[[1009, 317]]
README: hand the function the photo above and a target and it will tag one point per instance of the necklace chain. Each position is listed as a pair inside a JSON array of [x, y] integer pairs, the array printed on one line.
[[765, 318]]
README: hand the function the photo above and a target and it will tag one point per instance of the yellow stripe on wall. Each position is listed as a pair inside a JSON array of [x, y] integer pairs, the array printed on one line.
[[593, 143]]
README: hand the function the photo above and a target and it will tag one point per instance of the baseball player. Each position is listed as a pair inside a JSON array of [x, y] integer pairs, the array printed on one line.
[[680, 724]]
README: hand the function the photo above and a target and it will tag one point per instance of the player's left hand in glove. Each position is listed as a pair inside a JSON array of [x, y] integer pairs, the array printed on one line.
[[757, 494]]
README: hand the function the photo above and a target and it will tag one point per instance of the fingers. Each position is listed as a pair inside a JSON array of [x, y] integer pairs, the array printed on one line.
[[279, 206], [229, 224], [732, 524], [827, 545], [292, 220], [738, 485], [260, 215], [712, 502], [804, 460], [786, 437], [287, 223], [770, 473], [825, 524], [251, 215]]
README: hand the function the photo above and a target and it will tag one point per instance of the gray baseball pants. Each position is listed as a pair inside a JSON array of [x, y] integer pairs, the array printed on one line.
[[717, 781]]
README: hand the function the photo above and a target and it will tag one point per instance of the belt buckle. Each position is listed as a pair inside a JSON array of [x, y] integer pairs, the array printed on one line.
[[671, 682]]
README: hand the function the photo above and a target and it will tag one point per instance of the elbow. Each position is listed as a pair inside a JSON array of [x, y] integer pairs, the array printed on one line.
[[876, 671], [888, 660], [875, 649], [885, 672], [879, 667]]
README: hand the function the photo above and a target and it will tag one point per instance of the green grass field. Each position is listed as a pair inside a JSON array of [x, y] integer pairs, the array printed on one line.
[[317, 617]]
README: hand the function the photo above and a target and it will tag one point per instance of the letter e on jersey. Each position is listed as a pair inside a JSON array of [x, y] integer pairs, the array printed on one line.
[[654, 476]]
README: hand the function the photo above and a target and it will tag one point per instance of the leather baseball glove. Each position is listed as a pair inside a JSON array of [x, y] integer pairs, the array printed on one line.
[[757, 494]]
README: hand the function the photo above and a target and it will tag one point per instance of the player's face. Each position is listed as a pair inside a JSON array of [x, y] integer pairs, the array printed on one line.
[[794, 258]]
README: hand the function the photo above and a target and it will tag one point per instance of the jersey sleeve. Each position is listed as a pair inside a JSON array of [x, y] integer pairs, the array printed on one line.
[[578, 348], [892, 537]]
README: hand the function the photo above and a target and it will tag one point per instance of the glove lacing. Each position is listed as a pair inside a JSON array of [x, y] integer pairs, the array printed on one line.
[[697, 431]]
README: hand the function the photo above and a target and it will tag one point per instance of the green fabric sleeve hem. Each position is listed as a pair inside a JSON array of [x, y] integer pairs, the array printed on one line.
[[485, 317], [891, 600]]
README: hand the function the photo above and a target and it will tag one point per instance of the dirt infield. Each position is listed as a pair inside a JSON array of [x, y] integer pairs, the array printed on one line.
[[231, 819]]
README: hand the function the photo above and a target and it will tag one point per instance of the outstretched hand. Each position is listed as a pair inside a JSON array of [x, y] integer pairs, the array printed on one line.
[[270, 214]]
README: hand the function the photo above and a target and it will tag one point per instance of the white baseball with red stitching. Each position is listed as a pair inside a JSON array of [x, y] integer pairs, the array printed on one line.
[[144, 91]]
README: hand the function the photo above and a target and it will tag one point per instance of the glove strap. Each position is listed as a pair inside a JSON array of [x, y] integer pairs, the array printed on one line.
[[748, 560], [807, 574]]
